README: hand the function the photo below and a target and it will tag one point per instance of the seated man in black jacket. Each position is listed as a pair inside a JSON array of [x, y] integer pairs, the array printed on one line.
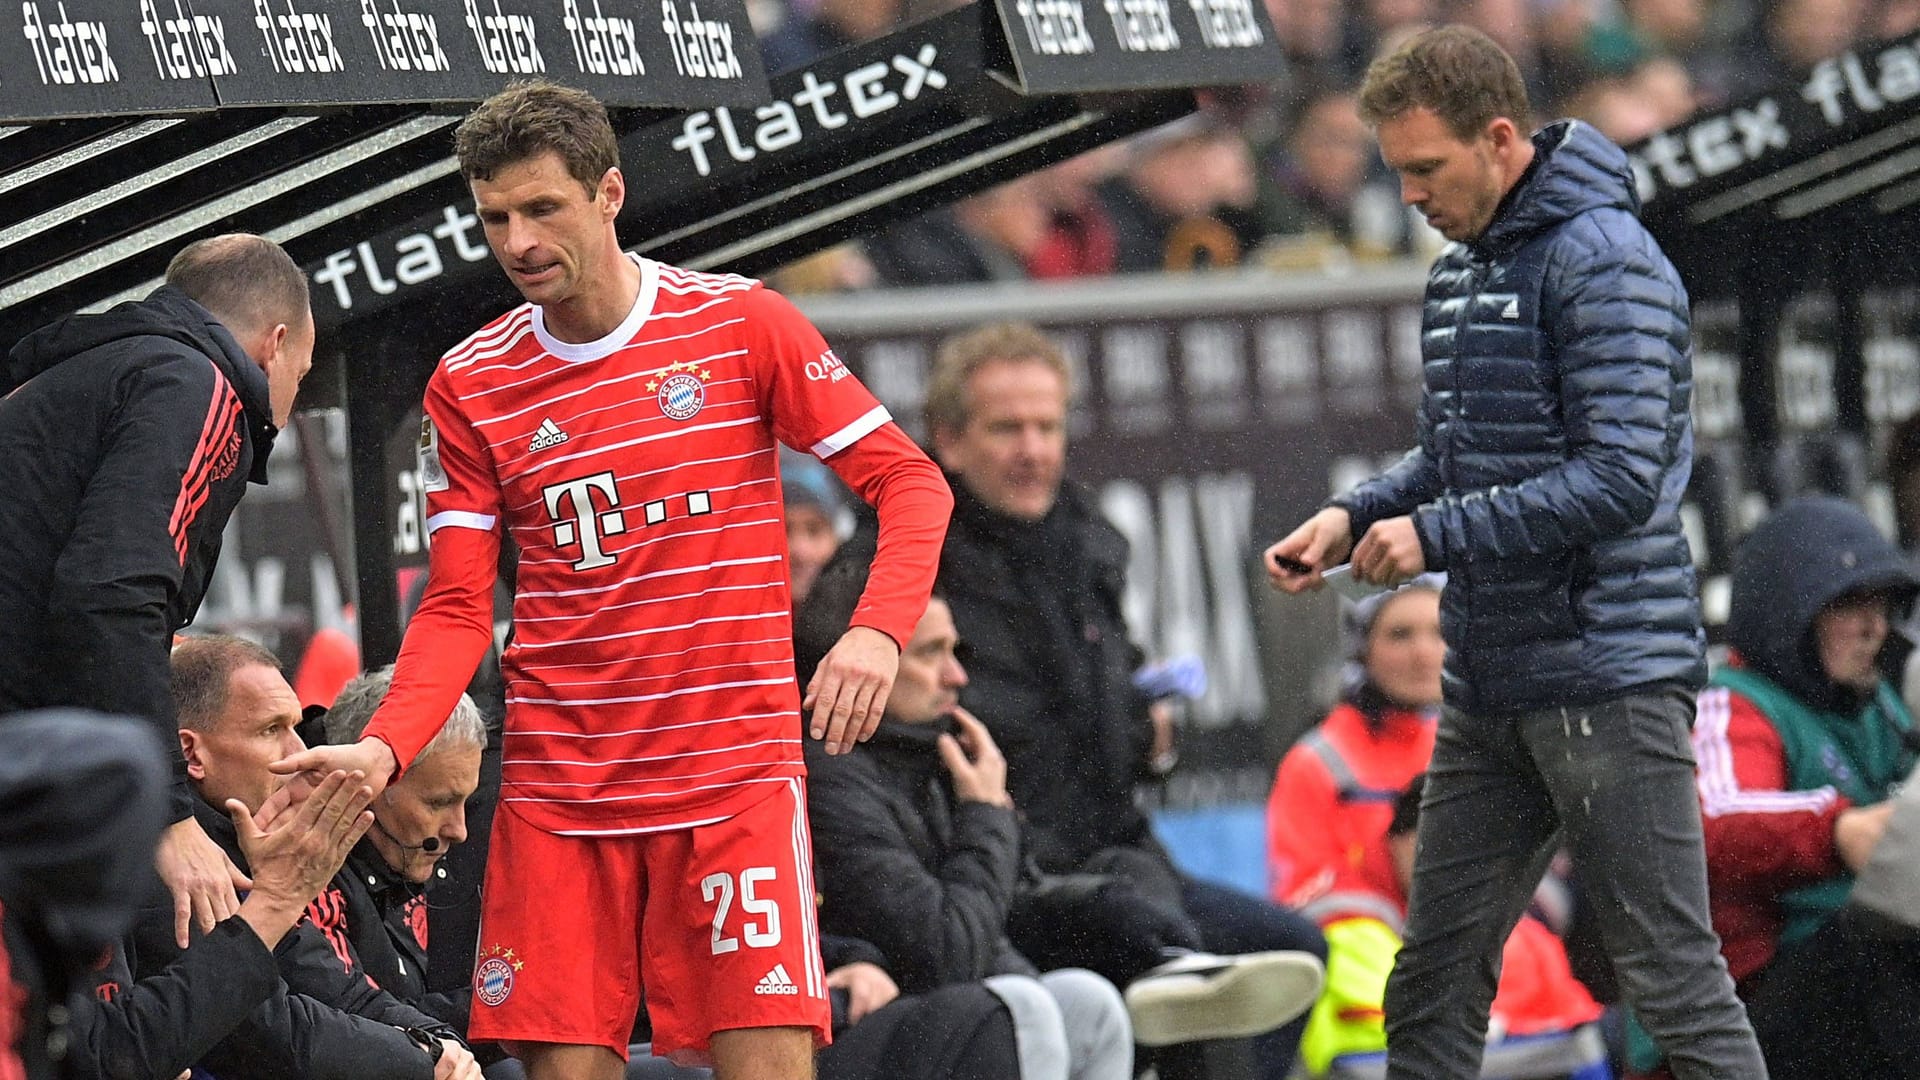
[[237, 714], [927, 872], [222, 1004], [919, 851]]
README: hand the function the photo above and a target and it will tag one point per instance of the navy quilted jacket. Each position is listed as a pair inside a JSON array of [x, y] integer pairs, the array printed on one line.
[[1554, 445]]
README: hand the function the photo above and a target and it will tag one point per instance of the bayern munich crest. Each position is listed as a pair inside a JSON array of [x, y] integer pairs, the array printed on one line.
[[682, 387], [493, 979]]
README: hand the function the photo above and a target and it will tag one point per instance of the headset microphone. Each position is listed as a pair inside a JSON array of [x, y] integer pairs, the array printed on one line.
[[430, 845]]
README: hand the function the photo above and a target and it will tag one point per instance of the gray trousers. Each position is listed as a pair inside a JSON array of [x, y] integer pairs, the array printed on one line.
[[1614, 783], [1068, 1024]]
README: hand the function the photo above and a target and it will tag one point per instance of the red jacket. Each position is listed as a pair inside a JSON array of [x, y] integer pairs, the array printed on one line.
[[1762, 840], [1327, 817]]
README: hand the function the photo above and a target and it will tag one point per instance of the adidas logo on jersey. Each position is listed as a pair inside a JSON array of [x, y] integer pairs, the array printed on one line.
[[777, 982], [548, 435]]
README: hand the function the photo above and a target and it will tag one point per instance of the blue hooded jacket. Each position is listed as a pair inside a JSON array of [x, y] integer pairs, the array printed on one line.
[[1555, 443]]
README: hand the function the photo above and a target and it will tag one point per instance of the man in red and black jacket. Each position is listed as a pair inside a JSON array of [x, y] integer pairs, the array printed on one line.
[[126, 440]]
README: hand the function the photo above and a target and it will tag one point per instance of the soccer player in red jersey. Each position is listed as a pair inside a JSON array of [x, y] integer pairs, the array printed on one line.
[[621, 427]]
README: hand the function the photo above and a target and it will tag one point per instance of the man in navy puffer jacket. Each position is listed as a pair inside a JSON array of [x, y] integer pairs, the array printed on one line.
[[1554, 446]]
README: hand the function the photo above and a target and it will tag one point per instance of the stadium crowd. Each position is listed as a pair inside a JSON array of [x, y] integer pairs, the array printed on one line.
[[987, 897], [1285, 175]]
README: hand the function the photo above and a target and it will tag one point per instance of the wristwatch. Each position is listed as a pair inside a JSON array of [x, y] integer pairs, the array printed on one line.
[[428, 1041]]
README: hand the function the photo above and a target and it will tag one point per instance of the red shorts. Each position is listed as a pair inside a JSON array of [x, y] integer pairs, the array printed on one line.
[[716, 922]]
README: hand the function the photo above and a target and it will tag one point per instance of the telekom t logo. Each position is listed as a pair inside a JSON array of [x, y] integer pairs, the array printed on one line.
[[580, 522]]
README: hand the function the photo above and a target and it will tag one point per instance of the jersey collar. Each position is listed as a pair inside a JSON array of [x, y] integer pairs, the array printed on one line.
[[620, 337]]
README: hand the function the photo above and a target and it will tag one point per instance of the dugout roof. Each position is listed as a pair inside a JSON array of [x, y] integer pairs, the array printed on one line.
[[128, 129]]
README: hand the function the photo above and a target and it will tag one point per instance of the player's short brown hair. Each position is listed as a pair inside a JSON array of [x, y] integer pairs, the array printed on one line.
[[949, 407], [1456, 71], [532, 118]]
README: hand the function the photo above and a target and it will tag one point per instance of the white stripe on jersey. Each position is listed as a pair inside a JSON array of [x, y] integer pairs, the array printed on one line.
[[676, 793], [675, 467], [537, 358], [572, 419], [710, 277], [514, 732], [675, 572], [693, 283], [777, 613], [542, 463], [487, 337], [680, 674], [702, 647], [640, 603], [803, 868], [690, 311], [465, 519], [511, 344], [646, 829], [638, 760], [852, 433], [616, 380], [662, 696], [631, 345], [616, 552]]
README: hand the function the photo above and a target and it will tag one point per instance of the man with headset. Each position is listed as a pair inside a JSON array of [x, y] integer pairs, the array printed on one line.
[[374, 913]]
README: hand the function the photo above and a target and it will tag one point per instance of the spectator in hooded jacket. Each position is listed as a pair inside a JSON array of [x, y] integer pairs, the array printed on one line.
[[128, 439], [1801, 739], [1555, 443]]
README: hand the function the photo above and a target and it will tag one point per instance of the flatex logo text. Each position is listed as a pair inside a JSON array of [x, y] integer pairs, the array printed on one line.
[[185, 46], [864, 91], [67, 51], [509, 44], [404, 40]]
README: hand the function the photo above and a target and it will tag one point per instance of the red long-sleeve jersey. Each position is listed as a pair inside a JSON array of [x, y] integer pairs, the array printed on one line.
[[650, 681]]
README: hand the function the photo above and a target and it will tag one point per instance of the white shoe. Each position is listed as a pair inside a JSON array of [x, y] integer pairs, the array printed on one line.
[[1202, 996]]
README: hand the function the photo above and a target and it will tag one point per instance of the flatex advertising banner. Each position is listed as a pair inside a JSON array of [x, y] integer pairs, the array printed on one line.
[[107, 57], [1068, 46], [829, 108], [673, 53], [1731, 157], [63, 58]]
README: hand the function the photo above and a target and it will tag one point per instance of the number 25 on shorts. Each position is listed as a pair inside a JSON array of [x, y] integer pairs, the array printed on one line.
[[719, 889]]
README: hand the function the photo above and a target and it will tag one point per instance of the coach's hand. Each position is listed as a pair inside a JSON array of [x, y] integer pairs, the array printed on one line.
[[850, 687], [1390, 553], [370, 757], [1294, 564]]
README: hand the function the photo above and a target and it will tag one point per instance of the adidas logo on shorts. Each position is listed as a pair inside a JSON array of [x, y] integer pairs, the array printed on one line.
[[777, 982], [549, 434]]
